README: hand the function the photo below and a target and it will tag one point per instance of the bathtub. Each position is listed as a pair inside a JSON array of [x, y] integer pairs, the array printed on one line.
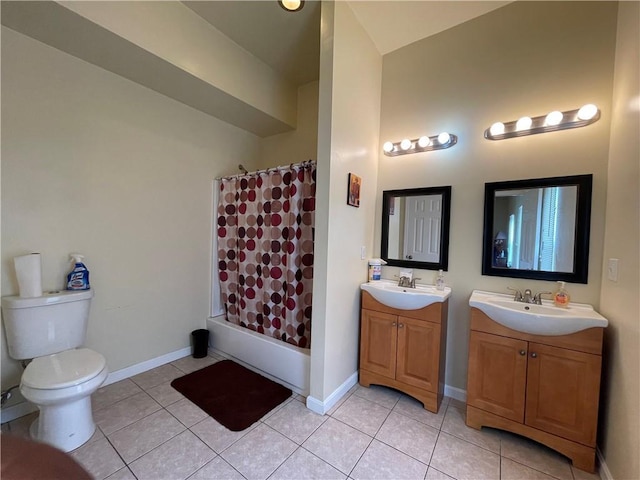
[[280, 361]]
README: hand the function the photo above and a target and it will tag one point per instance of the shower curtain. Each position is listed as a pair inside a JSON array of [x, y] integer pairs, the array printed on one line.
[[265, 250]]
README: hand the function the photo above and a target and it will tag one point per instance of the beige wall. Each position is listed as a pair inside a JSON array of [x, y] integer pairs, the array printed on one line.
[[348, 142], [97, 164], [620, 435], [300, 144], [527, 58]]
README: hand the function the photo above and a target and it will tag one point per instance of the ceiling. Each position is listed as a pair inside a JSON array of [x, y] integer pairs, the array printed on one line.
[[290, 42]]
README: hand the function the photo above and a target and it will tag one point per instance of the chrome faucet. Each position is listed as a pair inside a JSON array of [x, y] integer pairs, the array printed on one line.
[[517, 296], [527, 297], [407, 282], [537, 298]]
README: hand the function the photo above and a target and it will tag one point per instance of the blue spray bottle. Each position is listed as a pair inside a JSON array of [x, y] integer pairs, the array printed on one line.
[[78, 278]]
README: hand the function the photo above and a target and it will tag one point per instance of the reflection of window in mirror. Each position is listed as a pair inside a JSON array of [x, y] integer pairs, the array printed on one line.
[[540, 223], [538, 228]]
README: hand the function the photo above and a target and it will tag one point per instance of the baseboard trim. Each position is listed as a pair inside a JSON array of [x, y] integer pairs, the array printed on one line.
[[454, 392], [603, 469], [321, 407], [142, 367], [16, 411], [24, 408]]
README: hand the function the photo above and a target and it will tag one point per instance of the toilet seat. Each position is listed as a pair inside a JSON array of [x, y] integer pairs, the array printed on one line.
[[64, 369]]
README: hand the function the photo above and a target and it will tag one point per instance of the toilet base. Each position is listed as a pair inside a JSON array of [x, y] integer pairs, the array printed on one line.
[[64, 426]]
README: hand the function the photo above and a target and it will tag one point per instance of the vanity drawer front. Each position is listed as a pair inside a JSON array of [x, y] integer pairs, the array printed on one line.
[[432, 313], [588, 341]]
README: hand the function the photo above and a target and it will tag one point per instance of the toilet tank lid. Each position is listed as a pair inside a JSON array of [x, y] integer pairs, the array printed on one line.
[[64, 369], [47, 298]]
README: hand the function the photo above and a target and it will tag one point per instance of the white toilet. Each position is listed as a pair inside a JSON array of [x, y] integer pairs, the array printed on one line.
[[61, 378]]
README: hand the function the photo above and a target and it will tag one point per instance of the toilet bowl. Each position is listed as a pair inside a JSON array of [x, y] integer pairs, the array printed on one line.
[[60, 379], [60, 385]]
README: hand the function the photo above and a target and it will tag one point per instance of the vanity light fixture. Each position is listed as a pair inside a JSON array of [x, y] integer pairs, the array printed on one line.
[[291, 5], [422, 144], [551, 122]]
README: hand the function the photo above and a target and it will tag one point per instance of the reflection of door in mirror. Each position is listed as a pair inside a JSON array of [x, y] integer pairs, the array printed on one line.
[[422, 224], [541, 223], [415, 224], [415, 227]]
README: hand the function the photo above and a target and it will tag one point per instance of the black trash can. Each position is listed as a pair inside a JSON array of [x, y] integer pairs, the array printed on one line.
[[200, 343]]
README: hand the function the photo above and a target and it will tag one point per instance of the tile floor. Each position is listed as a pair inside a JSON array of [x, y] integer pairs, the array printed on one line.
[[147, 430]]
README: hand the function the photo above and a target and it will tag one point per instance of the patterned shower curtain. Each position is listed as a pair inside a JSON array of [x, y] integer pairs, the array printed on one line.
[[265, 250]]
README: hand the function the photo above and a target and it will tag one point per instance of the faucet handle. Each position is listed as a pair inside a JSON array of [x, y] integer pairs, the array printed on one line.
[[517, 297], [413, 281], [537, 298]]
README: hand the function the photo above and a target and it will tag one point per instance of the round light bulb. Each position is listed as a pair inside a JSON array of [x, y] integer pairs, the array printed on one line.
[[444, 138], [405, 144], [424, 141], [387, 147], [497, 128], [291, 5], [553, 118], [587, 112], [524, 123]]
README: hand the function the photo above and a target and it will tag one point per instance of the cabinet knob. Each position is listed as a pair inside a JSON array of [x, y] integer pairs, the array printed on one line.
[[534, 355], [393, 324], [523, 352], [400, 325]]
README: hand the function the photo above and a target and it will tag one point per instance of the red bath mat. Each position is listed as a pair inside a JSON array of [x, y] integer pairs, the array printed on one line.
[[232, 394]]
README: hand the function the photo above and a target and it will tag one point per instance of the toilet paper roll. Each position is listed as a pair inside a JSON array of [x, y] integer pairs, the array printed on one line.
[[29, 273]]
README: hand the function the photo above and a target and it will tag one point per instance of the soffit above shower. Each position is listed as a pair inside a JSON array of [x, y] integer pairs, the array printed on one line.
[[166, 47], [288, 42]]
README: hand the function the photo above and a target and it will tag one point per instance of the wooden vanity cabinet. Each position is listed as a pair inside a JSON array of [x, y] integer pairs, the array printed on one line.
[[542, 387], [404, 349]]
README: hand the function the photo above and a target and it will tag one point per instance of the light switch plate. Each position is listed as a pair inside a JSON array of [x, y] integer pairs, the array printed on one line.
[[612, 269], [363, 252]]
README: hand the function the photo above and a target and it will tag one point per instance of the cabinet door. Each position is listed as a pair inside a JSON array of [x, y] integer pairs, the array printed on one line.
[[497, 375], [378, 336], [418, 353], [563, 387]]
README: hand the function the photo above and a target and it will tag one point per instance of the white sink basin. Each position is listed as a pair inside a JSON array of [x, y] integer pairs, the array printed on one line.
[[545, 319], [390, 294]]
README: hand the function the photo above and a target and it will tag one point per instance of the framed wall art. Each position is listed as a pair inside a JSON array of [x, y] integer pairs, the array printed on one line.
[[353, 197]]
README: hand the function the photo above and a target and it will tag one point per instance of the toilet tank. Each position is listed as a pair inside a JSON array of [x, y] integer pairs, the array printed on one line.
[[52, 323]]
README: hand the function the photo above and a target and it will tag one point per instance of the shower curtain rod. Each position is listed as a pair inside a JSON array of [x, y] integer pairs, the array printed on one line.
[[266, 170]]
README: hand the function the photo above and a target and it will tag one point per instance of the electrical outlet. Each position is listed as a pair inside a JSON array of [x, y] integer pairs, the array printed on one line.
[[612, 269]]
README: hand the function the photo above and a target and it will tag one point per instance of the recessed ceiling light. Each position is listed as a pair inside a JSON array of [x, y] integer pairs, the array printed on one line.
[[291, 5]]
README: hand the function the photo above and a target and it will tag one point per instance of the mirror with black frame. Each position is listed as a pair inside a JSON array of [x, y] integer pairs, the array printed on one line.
[[415, 227], [538, 228]]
